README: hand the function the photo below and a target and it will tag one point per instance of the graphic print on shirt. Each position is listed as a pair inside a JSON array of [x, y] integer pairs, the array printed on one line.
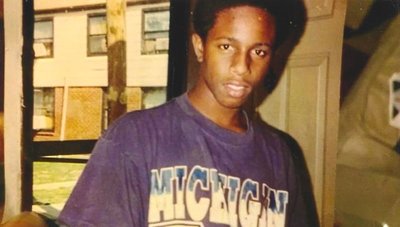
[[190, 197]]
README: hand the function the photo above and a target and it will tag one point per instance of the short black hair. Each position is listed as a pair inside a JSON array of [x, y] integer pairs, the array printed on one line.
[[289, 15]]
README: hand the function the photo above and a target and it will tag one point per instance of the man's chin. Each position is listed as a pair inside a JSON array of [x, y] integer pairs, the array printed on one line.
[[234, 103]]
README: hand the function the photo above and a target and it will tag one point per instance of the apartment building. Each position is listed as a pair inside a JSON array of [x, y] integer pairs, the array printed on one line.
[[70, 66]]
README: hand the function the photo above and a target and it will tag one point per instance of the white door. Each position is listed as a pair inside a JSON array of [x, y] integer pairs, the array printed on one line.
[[306, 101]]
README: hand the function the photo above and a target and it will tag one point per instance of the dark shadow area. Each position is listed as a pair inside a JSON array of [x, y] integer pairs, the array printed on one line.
[[353, 62], [380, 12], [49, 221], [27, 112], [2, 185], [178, 47], [294, 23]]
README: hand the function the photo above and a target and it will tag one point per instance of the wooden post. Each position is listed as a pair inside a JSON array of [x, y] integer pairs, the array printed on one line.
[[116, 58], [18, 104]]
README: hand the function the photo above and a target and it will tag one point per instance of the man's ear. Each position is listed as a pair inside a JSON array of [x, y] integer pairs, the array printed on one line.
[[198, 47]]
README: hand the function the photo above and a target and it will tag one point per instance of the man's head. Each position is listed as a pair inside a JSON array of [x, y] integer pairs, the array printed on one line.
[[234, 55], [289, 18], [236, 43]]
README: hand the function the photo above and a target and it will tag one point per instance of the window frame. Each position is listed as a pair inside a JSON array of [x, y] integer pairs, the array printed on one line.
[[88, 35], [52, 92], [46, 19], [154, 10]]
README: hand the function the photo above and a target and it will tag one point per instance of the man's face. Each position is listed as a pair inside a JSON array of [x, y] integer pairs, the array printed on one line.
[[235, 55]]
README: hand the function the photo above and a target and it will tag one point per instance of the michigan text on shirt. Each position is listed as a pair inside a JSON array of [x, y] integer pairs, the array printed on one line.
[[181, 196]]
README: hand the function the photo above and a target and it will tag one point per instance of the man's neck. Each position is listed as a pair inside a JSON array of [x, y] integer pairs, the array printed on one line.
[[232, 119]]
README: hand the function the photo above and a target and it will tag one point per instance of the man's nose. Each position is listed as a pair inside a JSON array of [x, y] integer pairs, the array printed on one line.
[[241, 64]]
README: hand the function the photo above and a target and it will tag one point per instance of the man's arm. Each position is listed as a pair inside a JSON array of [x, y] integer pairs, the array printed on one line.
[[105, 194]]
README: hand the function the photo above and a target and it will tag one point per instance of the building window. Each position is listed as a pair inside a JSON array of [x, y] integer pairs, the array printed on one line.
[[43, 109], [97, 35], [155, 31], [43, 38]]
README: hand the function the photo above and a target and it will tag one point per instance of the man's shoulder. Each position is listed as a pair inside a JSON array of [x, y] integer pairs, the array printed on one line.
[[265, 129], [142, 119], [275, 136], [280, 138]]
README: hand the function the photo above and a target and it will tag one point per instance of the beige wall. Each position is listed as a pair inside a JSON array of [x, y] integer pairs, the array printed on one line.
[[46, 4], [70, 65]]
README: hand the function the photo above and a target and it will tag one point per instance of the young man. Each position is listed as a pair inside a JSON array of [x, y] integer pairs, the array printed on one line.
[[199, 160]]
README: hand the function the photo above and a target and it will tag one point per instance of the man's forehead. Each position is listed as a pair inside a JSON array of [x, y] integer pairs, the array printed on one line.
[[245, 24]]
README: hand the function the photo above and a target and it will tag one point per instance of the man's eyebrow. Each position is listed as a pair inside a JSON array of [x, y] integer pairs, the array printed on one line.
[[226, 38], [231, 39], [264, 44]]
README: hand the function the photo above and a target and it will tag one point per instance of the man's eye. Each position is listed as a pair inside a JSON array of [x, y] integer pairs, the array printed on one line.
[[224, 46], [260, 53]]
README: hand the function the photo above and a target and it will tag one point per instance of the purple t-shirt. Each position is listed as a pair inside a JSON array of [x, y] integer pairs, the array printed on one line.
[[171, 166]]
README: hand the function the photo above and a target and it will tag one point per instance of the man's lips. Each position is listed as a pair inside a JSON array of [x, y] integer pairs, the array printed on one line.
[[236, 89]]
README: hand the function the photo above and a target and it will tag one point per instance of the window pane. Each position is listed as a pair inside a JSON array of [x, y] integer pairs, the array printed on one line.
[[156, 35], [156, 21], [43, 109], [97, 25], [97, 44], [153, 96], [43, 29], [97, 40], [43, 48], [43, 38], [155, 46], [155, 31]]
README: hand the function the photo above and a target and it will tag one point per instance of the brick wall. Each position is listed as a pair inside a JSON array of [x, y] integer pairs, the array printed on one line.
[[84, 113]]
